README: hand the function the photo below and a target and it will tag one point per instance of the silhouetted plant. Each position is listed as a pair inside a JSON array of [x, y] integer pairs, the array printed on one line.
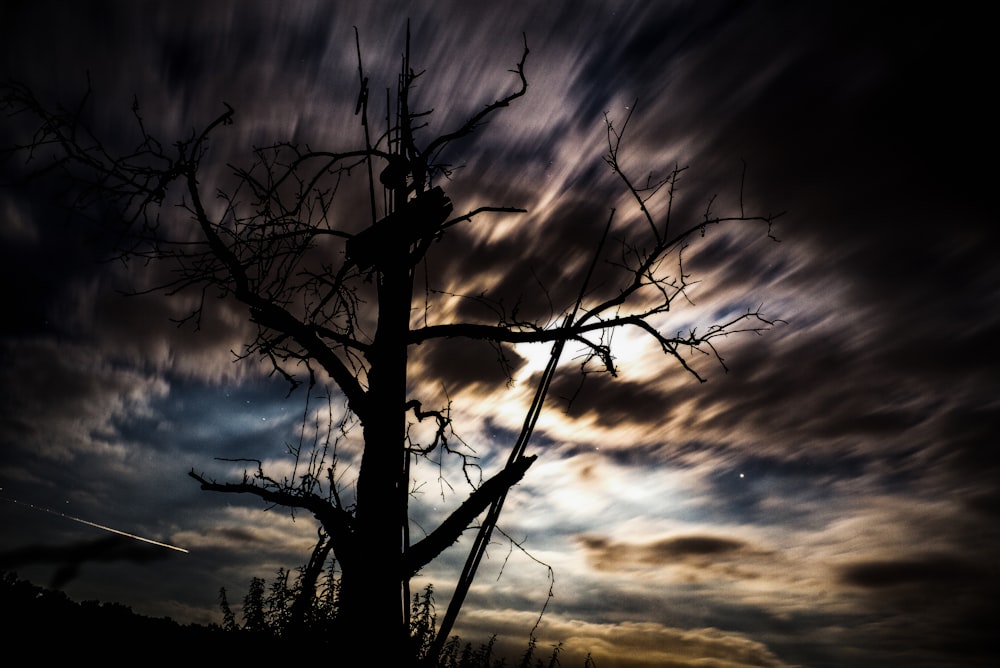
[[254, 619], [423, 623], [529, 652], [228, 617], [263, 617]]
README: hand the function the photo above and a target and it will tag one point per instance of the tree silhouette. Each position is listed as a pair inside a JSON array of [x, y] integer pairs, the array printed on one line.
[[333, 291]]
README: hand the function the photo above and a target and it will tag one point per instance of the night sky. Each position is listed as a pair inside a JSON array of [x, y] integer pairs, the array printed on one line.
[[829, 498]]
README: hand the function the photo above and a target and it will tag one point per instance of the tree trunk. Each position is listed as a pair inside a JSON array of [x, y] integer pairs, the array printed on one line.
[[372, 605]]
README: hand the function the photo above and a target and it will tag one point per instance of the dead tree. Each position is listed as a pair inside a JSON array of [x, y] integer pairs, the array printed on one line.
[[332, 294]]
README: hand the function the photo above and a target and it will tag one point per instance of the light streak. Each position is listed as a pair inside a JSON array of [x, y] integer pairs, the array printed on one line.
[[98, 526]]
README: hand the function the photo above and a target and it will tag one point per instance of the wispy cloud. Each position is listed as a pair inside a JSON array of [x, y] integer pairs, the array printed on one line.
[[834, 481]]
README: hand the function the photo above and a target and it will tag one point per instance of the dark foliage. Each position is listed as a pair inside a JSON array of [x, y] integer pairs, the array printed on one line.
[[266, 614], [45, 627], [114, 634]]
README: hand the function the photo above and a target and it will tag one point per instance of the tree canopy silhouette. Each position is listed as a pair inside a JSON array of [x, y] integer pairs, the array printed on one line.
[[334, 293]]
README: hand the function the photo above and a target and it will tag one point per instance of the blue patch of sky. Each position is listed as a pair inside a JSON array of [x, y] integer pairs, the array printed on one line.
[[501, 441], [745, 490], [253, 419]]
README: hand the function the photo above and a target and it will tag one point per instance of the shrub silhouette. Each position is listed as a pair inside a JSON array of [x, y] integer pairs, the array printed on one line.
[[265, 613]]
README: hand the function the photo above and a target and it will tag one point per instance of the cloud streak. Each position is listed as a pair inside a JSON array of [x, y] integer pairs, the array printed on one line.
[[835, 482]]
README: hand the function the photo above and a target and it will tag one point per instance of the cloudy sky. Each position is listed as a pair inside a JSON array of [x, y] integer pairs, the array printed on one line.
[[831, 499]]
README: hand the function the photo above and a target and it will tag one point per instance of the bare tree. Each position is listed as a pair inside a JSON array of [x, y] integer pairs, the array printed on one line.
[[332, 293]]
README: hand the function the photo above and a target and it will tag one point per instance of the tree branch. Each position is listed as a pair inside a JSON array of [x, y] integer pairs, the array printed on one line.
[[426, 550], [338, 523], [471, 124]]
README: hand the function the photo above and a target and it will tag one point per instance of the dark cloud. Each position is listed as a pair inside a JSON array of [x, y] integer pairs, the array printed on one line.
[[934, 609], [551, 254], [238, 534], [987, 503], [68, 560], [460, 363], [692, 545], [925, 571], [610, 400], [609, 555]]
